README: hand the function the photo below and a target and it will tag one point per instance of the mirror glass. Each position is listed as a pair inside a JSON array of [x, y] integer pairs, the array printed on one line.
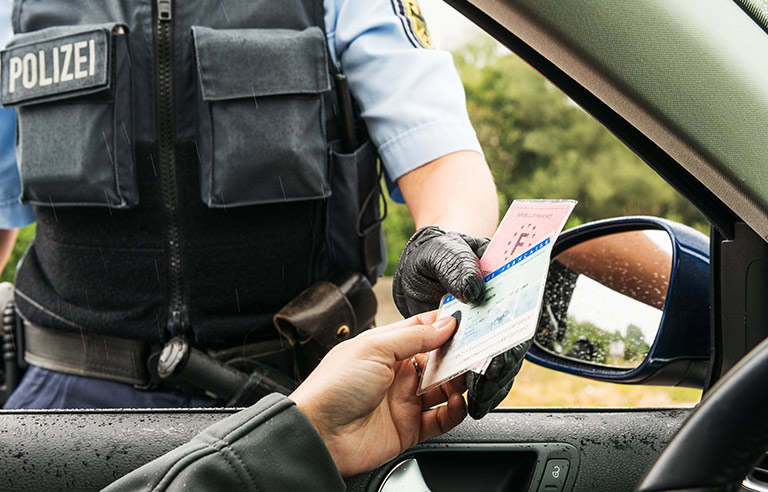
[[604, 298]]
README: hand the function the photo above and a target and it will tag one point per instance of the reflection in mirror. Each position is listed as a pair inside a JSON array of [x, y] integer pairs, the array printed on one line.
[[604, 298]]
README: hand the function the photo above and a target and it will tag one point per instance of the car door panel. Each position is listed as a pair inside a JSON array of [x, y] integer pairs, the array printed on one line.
[[86, 450], [615, 447]]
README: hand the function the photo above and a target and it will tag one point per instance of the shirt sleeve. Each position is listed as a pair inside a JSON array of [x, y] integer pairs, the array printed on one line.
[[410, 97], [12, 213], [270, 446]]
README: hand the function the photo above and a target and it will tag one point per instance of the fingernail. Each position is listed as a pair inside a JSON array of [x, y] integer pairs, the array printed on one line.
[[478, 292], [443, 323]]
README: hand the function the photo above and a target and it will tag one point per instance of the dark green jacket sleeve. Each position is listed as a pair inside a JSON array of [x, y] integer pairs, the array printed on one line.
[[270, 446]]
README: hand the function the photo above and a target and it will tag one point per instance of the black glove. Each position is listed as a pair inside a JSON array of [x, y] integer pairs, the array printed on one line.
[[434, 262], [488, 390]]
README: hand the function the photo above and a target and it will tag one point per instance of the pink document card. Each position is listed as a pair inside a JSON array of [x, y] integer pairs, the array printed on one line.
[[526, 223]]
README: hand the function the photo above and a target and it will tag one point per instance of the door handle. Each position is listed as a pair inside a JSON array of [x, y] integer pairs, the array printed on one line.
[[404, 477]]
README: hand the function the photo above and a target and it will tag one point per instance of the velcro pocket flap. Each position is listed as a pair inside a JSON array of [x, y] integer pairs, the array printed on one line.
[[261, 118], [56, 63], [242, 63]]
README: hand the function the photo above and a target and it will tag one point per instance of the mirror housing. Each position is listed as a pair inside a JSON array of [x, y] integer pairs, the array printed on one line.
[[680, 353]]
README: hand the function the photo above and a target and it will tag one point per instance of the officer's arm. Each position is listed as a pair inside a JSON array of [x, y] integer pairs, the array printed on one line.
[[453, 202], [7, 241], [455, 192]]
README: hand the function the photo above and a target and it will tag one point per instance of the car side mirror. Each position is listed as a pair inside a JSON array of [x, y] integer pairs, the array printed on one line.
[[627, 301]]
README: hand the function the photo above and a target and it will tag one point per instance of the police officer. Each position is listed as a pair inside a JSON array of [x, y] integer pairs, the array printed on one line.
[[178, 160]]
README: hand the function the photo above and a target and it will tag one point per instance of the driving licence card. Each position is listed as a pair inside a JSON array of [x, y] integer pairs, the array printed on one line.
[[516, 264], [526, 223]]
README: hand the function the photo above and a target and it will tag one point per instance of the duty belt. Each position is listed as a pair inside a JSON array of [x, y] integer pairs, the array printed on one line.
[[320, 317], [88, 354], [177, 365]]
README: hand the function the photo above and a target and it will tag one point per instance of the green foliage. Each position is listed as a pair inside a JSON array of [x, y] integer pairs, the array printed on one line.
[[635, 346], [589, 333], [541, 145], [26, 235], [581, 333], [398, 228]]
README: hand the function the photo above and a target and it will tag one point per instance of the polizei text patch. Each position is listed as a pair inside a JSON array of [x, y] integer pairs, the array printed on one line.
[[49, 67]]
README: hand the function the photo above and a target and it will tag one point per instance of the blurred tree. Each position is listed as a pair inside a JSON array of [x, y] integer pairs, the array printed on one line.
[[539, 144], [635, 346], [26, 234], [586, 341], [398, 228]]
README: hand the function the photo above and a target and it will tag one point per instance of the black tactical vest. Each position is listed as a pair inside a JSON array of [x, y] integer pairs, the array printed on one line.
[[181, 159]]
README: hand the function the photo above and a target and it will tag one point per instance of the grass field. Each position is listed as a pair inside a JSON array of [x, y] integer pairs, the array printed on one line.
[[536, 386]]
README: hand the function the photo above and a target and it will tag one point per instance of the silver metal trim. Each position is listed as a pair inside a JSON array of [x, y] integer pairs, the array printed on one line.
[[754, 486]]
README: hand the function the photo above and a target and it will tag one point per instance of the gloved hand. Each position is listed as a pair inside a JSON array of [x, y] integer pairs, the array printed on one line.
[[488, 390], [434, 262]]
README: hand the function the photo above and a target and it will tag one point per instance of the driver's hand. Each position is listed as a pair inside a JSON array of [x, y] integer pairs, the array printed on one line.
[[434, 262], [362, 397]]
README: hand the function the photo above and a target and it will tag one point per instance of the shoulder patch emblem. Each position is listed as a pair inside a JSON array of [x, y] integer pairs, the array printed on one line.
[[414, 23]]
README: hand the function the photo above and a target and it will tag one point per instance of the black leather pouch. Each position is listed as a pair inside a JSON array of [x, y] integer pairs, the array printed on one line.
[[325, 314]]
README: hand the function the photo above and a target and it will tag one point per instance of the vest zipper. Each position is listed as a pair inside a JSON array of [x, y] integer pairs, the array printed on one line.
[[166, 149]]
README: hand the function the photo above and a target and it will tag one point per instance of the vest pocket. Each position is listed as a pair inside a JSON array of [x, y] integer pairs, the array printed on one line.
[[354, 217], [71, 87], [262, 122]]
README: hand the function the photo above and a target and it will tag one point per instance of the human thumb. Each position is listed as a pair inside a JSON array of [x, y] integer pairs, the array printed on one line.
[[416, 338]]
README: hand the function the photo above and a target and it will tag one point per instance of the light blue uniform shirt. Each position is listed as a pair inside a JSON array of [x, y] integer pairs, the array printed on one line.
[[410, 97], [12, 213]]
